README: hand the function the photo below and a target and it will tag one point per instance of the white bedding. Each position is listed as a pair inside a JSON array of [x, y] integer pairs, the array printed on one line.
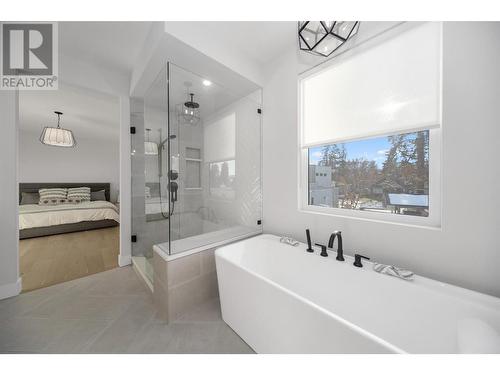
[[35, 216]]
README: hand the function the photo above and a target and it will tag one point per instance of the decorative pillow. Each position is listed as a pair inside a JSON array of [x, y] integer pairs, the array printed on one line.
[[30, 198], [98, 195], [53, 196], [78, 195]]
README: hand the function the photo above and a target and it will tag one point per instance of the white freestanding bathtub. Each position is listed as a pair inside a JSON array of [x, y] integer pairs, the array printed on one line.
[[282, 299]]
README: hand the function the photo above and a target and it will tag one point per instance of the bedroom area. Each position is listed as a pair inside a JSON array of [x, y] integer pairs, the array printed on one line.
[[68, 185]]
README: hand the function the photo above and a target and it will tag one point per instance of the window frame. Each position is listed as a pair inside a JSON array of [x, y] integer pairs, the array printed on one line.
[[433, 221]]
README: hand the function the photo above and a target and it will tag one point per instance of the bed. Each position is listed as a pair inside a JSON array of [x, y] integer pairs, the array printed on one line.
[[38, 221]]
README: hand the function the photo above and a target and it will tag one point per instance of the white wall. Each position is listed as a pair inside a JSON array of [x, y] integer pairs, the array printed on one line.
[[92, 160], [466, 250], [125, 257], [108, 81], [10, 284]]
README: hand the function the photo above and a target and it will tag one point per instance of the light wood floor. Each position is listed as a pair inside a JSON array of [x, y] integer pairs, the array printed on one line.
[[54, 259]]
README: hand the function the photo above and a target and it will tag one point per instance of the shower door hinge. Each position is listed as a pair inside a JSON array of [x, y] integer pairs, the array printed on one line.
[[134, 238], [259, 222], [259, 111], [132, 130]]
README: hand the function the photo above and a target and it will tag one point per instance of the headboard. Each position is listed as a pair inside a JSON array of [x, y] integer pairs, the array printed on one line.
[[33, 187]]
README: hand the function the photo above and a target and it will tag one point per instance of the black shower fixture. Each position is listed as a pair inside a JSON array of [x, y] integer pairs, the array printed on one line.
[[191, 103], [325, 37]]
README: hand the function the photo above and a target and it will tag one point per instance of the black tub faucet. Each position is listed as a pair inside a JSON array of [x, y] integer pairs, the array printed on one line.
[[324, 253], [340, 249], [357, 260], [309, 248]]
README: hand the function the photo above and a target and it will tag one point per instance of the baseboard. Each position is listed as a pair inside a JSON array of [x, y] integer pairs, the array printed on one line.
[[124, 260], [142, 276], [11, 290]]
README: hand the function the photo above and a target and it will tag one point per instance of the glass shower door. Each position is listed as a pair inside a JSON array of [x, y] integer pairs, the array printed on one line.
[[149, 154], [215, 160]]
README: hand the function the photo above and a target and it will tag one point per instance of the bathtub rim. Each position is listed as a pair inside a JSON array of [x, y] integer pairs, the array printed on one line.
[[354, 327], [449, 289]]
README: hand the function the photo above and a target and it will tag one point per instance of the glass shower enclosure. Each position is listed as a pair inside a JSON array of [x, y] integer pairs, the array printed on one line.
[[196, 165]]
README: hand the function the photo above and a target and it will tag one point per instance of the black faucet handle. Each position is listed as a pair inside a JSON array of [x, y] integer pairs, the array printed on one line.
[[324, 253], [357, 260], [308, 236]]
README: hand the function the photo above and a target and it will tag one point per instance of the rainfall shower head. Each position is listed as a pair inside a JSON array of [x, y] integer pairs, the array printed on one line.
[[191, 103], [190, 111]]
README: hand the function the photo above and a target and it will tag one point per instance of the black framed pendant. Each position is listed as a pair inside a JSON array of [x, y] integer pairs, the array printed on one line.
[[325, 37]]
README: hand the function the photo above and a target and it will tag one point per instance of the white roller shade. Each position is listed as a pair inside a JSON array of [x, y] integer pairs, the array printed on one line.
[[220, 139], [391, 87]]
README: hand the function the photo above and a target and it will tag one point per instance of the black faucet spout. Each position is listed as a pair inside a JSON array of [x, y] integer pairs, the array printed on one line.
[[331, 240], [340, 249]]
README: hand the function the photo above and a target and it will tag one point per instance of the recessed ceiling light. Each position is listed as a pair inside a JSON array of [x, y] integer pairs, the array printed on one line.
[[206, 82]]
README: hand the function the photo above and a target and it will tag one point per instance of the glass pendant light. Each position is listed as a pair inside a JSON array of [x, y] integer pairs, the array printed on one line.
[[57, 136], [150, 148], [190, 111], [325, 37]]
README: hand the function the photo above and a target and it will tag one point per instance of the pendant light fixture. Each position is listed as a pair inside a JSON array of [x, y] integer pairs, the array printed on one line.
[[191, 111], [57, 136], [150, 148], [325, 37]]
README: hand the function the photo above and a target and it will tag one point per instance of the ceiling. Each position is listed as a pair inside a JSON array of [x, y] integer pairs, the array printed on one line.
[[118, 45], [211, 98], [265, 41], [258, 41], [182, 82], [89, 114], [114, 45]]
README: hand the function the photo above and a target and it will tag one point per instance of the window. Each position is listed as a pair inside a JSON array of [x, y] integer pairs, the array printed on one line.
[[222, 176], [384, 174], [370, 129]]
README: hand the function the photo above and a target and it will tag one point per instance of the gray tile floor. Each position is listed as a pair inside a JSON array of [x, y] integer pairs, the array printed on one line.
[[110, 312]]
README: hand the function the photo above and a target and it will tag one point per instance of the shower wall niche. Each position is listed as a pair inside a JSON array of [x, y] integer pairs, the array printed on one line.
[[196, 164]]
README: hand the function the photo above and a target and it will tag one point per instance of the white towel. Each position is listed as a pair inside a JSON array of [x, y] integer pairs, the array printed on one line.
[[393, 271], [289, 241]]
